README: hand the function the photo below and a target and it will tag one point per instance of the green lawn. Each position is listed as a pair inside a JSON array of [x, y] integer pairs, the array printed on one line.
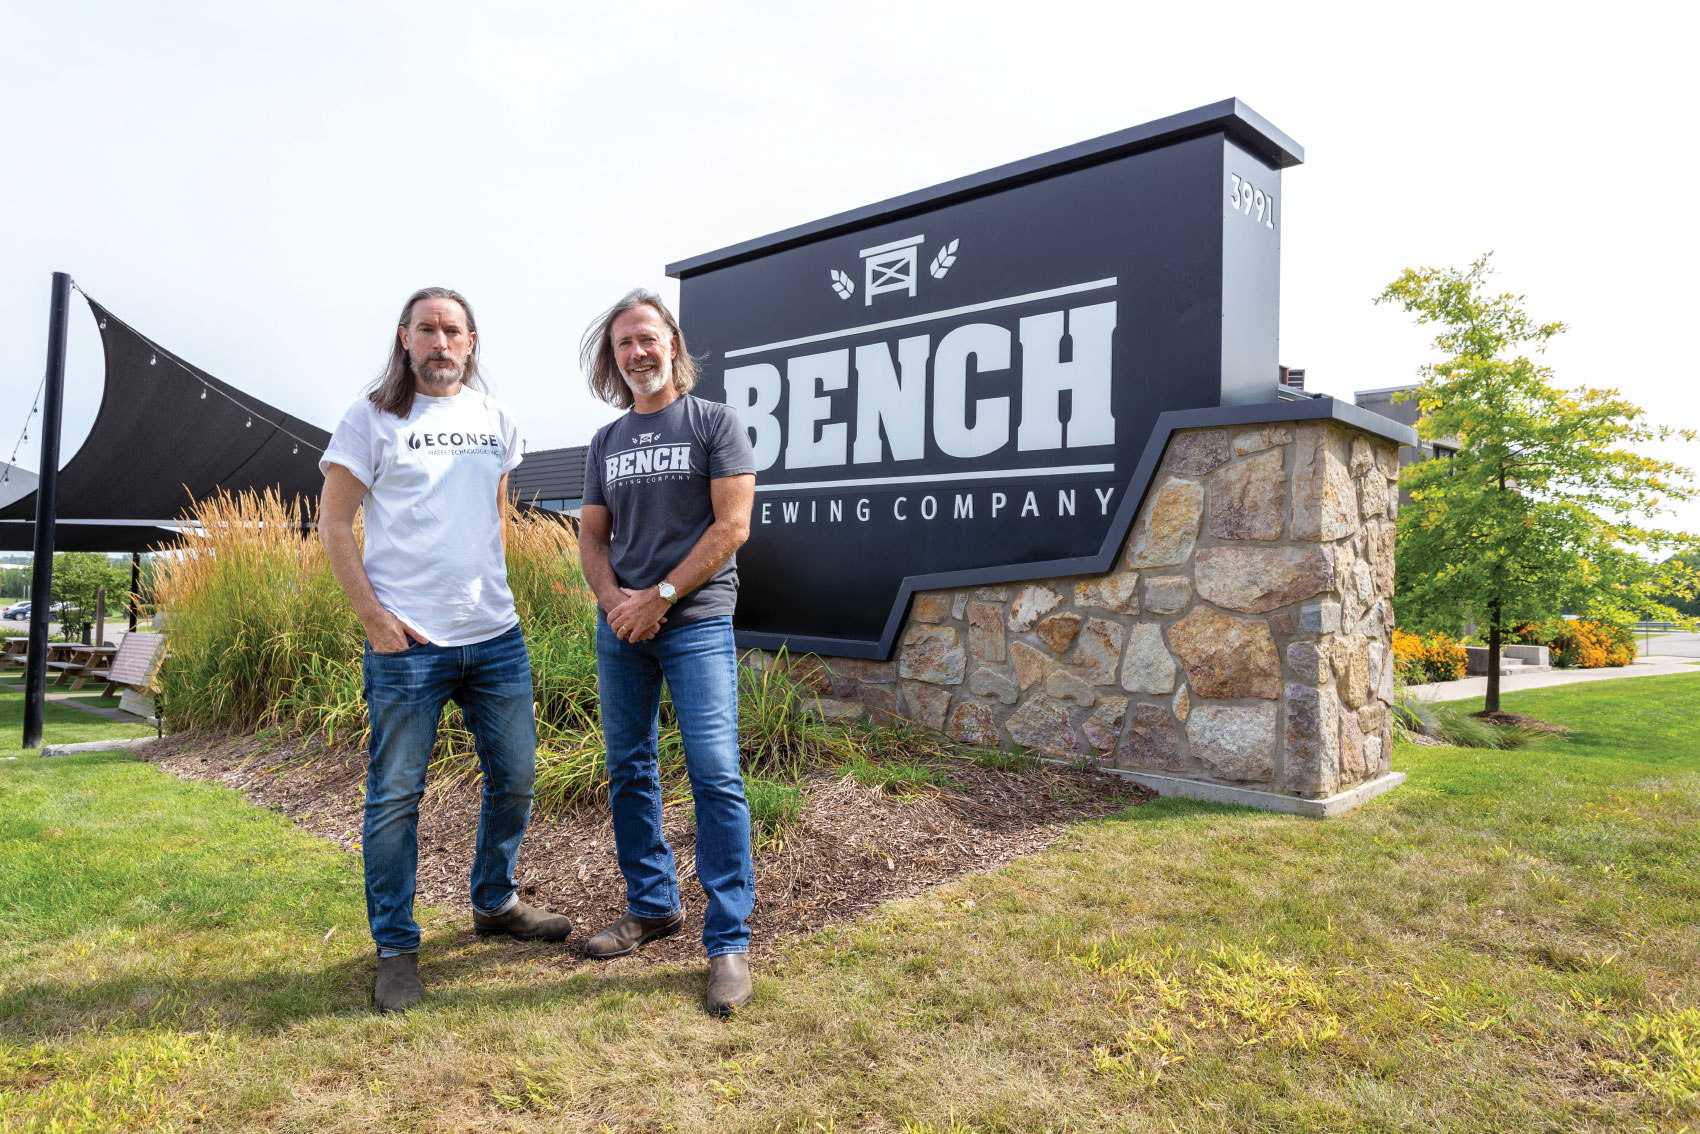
[[1508, 942]]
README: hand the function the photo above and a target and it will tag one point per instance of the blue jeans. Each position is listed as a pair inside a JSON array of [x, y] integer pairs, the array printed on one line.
[[405, 695], [700, 666]]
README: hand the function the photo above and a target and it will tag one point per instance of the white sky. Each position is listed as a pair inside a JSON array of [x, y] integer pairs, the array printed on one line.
[[259, 187]]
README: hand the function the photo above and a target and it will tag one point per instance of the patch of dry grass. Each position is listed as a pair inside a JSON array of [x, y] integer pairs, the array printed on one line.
[[1506, 943]]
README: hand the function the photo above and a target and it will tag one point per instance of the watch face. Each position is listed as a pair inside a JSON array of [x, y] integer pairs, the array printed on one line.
[[666, 591]]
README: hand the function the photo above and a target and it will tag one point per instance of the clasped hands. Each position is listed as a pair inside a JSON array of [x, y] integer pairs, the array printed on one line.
[[639, 617]]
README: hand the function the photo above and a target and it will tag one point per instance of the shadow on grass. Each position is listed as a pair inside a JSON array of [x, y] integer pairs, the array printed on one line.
[[456, 968], [1174, 807]]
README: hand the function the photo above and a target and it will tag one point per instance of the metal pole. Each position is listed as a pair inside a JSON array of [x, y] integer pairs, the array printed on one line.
[[46, 512], [135, 586]]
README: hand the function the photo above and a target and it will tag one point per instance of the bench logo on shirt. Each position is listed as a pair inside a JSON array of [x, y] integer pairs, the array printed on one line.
[[455, 443], [650, 461]]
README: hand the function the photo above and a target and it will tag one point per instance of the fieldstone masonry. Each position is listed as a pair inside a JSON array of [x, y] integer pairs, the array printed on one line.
[[1242, 638]]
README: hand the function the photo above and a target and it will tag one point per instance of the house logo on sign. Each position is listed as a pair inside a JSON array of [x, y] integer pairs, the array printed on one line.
[[894, 267]]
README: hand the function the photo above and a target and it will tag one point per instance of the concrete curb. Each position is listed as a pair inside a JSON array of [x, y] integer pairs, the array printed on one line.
[[1172, 787], [51, 750]]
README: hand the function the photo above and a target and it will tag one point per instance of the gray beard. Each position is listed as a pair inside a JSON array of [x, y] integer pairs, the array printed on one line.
[[437, 378], [657, 382]]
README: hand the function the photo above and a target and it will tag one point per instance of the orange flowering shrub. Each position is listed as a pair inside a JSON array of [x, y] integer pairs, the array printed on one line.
[[1581, 644], [1595, 645], [1408, 658], [1418, 661]]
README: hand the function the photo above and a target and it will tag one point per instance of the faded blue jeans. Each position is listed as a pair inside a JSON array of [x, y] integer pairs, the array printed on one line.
[[405, 695], [700, 666]]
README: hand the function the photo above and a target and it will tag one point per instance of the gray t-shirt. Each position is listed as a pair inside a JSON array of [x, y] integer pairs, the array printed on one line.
[[651, 471]]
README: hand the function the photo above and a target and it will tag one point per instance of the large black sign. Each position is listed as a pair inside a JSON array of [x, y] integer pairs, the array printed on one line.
[[956, 387]]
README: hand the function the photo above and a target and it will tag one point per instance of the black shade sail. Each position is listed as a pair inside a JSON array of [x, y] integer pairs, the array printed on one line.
[[166, 433]]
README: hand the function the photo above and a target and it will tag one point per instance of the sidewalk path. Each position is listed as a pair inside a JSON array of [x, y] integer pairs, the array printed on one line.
[[1477, 686], [69, 698]]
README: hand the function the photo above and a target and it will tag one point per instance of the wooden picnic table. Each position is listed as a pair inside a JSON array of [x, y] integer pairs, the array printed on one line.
[[81, 664], [14, 649]]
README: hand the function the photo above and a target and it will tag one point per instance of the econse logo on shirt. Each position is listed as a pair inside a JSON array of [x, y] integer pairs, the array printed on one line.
[[653, 462], [454, 442]]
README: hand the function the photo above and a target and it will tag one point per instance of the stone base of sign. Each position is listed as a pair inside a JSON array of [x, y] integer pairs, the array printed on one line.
[[1170, 786], [1241, 638]]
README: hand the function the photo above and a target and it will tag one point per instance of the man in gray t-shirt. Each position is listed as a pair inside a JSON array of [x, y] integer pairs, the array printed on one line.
[[667, 495], [657, 469]]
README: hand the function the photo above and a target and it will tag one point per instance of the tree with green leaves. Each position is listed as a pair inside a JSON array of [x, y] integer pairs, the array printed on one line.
[[1546, 506], [1682, 572], [77, 579]]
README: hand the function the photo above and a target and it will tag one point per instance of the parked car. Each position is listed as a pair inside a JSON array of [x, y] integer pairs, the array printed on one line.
[[20, 612]]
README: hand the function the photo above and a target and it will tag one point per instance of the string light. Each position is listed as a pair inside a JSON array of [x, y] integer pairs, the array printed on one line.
[[153, 360]]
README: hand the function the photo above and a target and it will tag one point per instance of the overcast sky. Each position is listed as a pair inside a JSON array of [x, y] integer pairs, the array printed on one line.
[[259, 187]]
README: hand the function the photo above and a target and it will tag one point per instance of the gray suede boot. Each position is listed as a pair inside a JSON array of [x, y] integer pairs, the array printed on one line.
[[524, 922], [729, 986], [630, 932], [398, 987]]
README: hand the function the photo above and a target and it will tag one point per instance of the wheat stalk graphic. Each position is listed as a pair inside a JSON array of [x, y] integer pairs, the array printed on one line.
[[843, 284], [945, 258]]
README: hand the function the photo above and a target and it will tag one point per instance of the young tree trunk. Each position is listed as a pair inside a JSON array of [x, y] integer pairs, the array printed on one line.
[[1492, 705]]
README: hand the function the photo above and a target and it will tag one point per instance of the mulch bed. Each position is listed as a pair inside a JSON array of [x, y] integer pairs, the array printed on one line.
[[1518, 720], [854, 848]]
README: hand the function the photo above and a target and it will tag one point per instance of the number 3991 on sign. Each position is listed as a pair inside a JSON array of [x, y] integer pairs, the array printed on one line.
[[1253, 202]]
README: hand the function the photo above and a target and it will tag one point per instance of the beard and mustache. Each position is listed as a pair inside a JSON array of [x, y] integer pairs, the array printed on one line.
[[444, 376], [650, 382]]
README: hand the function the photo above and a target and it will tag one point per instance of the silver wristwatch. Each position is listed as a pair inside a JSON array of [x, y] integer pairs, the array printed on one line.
[[666, 591]]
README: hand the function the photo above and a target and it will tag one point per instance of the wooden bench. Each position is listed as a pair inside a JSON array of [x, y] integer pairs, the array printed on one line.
[[137, 658]]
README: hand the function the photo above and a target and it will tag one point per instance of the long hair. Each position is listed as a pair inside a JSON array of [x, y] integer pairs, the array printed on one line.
[[393, 391], [596, 351]]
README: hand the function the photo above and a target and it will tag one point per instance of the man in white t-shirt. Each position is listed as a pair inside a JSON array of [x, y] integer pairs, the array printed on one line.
[[427, 453]]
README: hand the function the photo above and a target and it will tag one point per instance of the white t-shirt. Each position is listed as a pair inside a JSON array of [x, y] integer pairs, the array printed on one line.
[[433, 532]]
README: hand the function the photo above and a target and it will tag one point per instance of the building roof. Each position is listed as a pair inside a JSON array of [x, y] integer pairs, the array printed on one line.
[[550, 474]]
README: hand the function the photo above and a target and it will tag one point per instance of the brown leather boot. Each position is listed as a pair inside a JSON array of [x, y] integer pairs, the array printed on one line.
[[524, 922], [630, 932], [728, 983], [398, 987]]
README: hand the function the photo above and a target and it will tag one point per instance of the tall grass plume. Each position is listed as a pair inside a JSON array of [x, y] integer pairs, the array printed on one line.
[[262, 636]]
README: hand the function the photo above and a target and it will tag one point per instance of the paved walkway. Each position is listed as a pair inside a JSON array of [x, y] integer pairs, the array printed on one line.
[[1477, 686], [1682, 645], [69, 697]]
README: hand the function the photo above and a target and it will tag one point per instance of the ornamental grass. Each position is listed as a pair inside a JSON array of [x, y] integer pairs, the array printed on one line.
[[262, 638]]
